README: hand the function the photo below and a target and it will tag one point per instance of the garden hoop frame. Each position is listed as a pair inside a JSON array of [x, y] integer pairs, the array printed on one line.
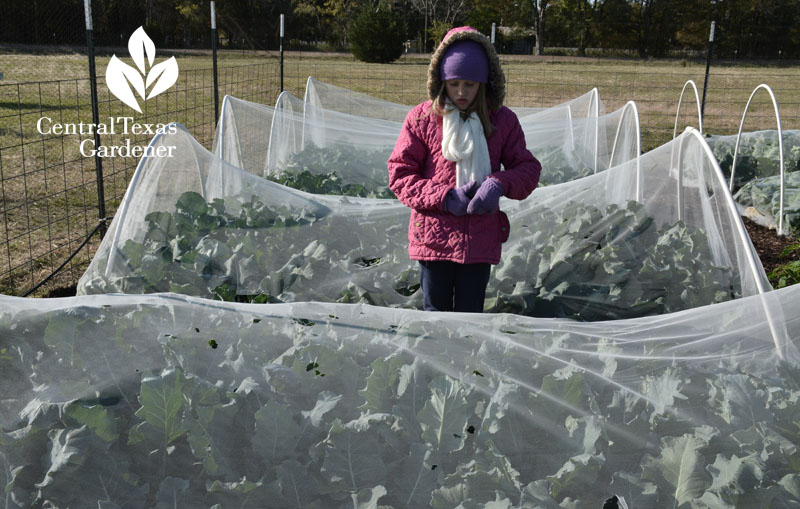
[[571, 128], [780, 146], [675, 134], [594, 112], [699, 110], [283, 96], [688, 134], [630, 105], [309, 86], [126, 199], [221, 129]]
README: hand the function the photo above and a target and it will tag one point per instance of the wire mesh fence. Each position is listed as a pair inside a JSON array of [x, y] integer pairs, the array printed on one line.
[[49, 184], [48, 181]]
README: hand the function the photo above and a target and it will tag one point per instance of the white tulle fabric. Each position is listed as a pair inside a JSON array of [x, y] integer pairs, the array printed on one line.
[[463, 141]]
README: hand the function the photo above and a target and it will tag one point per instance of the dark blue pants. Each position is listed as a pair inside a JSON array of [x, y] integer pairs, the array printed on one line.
[[451, 286]]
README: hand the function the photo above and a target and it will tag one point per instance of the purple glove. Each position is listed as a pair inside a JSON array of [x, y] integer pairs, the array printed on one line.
[[457, 199], [487, 199]]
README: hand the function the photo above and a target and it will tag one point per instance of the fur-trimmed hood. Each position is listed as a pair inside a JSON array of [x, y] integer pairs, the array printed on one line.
[[496, 89]]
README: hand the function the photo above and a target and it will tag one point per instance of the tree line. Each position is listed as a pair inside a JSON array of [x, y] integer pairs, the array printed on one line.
[[745, 29]]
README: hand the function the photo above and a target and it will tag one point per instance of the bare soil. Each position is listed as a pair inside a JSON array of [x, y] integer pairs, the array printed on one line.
[[769, 245]]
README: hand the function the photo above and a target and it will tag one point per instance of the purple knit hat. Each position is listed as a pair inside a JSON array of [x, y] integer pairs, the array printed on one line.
[[465, 60]]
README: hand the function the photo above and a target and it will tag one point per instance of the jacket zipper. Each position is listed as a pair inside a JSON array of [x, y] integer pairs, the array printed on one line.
[[466, 239]]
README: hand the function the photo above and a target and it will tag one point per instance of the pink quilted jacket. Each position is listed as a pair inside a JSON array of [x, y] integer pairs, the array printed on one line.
[[420, 176]]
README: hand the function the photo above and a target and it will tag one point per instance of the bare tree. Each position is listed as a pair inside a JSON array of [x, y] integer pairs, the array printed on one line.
[[580, 15], [539, 17], [446, 11], [148, 12]]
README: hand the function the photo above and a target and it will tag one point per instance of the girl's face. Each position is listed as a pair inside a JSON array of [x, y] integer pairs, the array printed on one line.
[[462, 92]]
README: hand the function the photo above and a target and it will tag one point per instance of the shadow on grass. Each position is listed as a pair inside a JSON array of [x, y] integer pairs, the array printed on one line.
[[27, 106]]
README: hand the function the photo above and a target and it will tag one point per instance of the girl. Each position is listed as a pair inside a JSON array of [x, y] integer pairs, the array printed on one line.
[[446, 167]]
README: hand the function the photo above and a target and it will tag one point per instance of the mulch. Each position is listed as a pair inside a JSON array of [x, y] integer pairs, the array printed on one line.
[[769, 245]]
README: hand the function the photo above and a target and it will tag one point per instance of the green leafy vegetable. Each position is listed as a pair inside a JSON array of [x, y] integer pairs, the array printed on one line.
[[554, 416], [161, 398], [359, 172], [580, 262]]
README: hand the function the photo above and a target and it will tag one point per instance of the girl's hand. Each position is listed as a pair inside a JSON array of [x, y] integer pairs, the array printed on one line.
[[487, 199], [457, 199]]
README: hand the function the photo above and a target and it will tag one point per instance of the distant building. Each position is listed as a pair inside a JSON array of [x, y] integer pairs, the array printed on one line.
[[517, 40]]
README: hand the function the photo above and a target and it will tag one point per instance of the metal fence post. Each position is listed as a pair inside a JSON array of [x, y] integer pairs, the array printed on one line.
[[281, 52], [708, 64], [98, 163], [214, 58]]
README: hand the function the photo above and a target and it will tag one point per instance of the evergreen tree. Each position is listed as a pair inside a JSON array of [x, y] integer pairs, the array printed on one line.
[[377, 36]]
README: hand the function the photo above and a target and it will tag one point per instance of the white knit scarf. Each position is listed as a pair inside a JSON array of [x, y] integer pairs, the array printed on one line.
[[463, 141]]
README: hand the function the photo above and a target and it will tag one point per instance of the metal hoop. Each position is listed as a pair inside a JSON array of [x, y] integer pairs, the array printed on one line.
[[284, 96], [737, 220], [630, 105], [780, 146], [595, 102], [697, 101], [740, 229], [126, 199]]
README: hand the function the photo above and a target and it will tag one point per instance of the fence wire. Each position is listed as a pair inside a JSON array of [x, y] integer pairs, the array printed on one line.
[[48, 189]]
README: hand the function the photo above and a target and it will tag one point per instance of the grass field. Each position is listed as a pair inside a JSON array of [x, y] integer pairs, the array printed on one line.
[[49, 200]]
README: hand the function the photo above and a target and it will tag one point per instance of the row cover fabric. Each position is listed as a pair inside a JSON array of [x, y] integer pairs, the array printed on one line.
[[761, 199], [344, 100], [321, 95], [167, 400], [654, 235], [757, 177], [573, 139]]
